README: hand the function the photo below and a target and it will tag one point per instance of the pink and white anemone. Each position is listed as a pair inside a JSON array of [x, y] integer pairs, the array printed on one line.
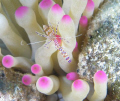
[[30, 17]]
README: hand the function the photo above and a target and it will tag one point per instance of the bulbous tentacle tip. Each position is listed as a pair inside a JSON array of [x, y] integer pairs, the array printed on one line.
[[7, 61], [26, 80], [21, 11]]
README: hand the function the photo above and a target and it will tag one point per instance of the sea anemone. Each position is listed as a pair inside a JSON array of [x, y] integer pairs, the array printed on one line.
[[41, 42]]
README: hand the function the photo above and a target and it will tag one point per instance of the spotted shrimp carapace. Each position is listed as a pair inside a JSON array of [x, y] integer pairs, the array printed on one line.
[[52, 35]]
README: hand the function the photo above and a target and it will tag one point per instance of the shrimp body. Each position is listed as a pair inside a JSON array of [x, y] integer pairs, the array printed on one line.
[[64, 54], [57, 40]]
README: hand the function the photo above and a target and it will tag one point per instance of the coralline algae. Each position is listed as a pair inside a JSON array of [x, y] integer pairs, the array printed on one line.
[[12, 89], [102, 50]]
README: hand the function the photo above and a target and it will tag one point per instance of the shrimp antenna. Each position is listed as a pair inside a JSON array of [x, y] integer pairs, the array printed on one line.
[[32, 43]]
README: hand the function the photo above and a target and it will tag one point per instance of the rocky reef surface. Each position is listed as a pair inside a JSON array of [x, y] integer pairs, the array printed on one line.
[[102, 50], [12, 89]]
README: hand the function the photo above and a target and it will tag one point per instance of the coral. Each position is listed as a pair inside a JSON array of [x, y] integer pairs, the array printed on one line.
[[102, 48], [11, 87]]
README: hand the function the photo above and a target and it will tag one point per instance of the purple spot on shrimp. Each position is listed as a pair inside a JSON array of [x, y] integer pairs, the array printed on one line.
[[69, 61], [67, 58]]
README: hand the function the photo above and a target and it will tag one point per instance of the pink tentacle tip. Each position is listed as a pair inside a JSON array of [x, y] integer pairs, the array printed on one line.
[[35, 69], [56, 9], [26, 80], [78, 84], [21, 11], [72, 76], [44, 4], [66, 19], [8, 61], [58, 38], [100, 77], [90, 5], [83, 21], [44, 82]]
